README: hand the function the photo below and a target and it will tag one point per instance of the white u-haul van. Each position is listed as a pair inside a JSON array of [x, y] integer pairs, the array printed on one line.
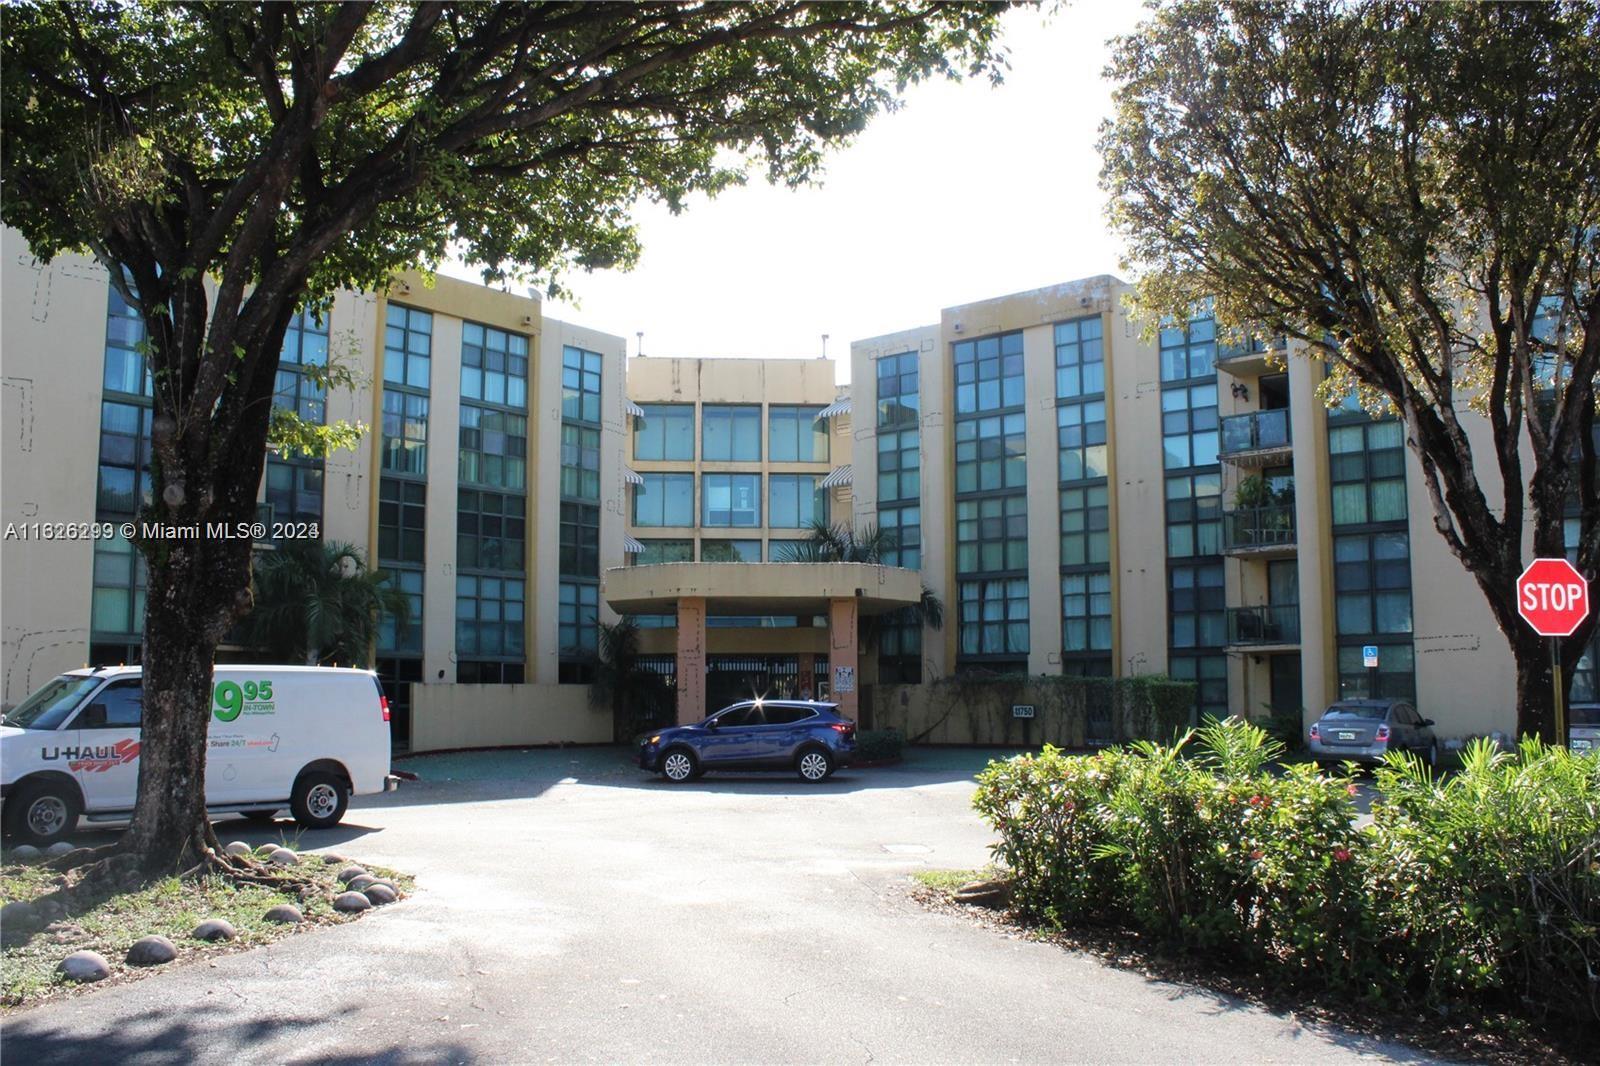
[[302, 737]]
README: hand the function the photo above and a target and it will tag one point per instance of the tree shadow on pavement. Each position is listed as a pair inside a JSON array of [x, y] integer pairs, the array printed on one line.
[[181, 1035]]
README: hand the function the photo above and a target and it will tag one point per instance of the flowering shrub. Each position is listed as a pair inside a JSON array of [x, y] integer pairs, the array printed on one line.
[[1490, 882]]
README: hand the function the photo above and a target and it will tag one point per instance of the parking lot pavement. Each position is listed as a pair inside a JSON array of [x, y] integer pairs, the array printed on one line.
[[571, 909]]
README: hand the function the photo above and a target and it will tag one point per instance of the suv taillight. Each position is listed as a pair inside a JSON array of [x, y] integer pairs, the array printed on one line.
[[1383, 734], [1316, 731], [845, 727], [383, 705]]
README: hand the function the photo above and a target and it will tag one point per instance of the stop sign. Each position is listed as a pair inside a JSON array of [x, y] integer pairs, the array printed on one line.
[[1552, 597]]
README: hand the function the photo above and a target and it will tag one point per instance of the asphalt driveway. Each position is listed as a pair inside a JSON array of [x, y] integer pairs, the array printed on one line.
[[570, 909]]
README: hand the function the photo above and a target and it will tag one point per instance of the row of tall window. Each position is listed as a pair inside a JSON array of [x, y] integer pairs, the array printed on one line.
[[730, 433], [899, 452], [1083, 468], [793, 501], [403, 489], [579, 594]]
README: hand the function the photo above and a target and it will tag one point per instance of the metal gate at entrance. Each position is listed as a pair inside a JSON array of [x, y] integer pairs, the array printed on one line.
[[731, 678]]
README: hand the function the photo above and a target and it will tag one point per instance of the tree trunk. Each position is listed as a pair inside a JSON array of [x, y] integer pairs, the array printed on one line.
[[1535, 692]]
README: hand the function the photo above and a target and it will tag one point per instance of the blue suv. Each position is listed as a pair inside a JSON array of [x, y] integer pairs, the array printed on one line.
[[754, 735]]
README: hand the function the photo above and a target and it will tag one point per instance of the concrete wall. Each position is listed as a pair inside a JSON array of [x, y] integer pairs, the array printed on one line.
[[444, 717], [52, 361]]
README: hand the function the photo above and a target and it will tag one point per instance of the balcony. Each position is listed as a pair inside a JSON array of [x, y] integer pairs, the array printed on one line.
[[1260, 438], [1254, 357], [1264, 627], [1262, 531]]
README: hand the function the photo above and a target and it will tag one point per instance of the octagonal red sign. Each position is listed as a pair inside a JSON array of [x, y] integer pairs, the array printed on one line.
[[1552, 597]]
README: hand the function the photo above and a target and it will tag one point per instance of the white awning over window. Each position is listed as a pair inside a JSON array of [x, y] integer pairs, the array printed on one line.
[[634, 410], [631, 476], [838, 407], [840, 476], [631, 546]]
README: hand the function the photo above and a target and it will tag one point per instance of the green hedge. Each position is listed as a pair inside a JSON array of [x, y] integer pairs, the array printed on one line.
[[1485, 887], [879, 745]]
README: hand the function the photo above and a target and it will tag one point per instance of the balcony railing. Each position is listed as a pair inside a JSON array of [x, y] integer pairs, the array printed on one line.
[[1258, 528], [1257, 432], [1253, 346], [1249, 626]]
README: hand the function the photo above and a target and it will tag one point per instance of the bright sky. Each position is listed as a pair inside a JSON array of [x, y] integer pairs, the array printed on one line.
[[965, 193]]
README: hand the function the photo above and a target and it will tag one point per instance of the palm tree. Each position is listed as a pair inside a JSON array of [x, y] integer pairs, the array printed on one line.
[[844, 544], [317, 602], [638, 697]]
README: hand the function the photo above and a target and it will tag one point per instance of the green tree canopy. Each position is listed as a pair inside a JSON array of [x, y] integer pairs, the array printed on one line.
[[231, 162], [1412, 191]]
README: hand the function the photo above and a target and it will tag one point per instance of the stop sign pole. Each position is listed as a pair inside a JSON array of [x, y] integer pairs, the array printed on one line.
[[1553, 598]]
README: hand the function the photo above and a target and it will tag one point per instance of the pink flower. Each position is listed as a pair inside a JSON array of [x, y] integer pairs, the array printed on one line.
[[1259, 801], [1351, 788], [1258, 854], [1341, 854]]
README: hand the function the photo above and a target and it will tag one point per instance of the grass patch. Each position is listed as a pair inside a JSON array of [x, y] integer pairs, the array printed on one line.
[[947, 881], [169, 908]]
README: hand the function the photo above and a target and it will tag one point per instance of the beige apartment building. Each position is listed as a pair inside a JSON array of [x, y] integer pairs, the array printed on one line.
[[1082, 498]]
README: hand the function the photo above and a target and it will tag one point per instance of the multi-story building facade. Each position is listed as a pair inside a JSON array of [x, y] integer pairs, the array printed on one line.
[[1083, 498]]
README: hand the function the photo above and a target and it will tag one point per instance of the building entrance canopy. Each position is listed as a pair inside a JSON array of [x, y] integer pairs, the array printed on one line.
[[760, 588]]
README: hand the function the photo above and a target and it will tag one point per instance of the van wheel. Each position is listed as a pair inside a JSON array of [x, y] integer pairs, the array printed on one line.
[[318, 800], [42, 812]]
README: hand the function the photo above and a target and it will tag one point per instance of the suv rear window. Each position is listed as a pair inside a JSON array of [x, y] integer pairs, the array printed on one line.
[[788, 715], [1356, 710]]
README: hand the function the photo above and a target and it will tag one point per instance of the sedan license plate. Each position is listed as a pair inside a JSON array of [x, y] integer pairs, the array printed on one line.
[[1345, 734]]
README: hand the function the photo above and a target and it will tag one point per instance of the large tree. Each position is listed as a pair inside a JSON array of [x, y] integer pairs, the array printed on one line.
[[1413, 192], [229, 163]]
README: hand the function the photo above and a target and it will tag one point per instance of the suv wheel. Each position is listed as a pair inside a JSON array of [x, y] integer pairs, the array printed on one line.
[[678, 765], [42, 813], [814, 764]]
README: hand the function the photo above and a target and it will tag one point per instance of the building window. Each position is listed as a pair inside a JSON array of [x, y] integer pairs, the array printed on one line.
[[730, 500], [578, 620], [295, 392], [796, 435], [1194, 515], [1085, 525], [494, 366], [898, 402], [401, 520], [899, 465], [491, 530], [405, 433], [900, 649], [1210, 676], [991, 453], [294, 491], [795, 502], [124, 459], [494, 448], [119, 588], [1080, 359], [993, 616], [1086, 612], [664, 500], [1197, 606], [407, 347], [1189, 353], [580, 462], [730, 551], [666, 432], [666, 551], [992, 534], [730, 434], [1189, 426], [1394, 678], [1366, 464], [902, 528], [489, 616], [1081, 434], [989, 374], [580, 539], [126, 371], [489, 673], [392, 636], [580, 385], [1372, 583]]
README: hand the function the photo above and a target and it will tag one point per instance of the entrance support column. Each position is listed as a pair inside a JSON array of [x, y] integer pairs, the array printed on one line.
[[805, 679], [691, 659], [843, 640]]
